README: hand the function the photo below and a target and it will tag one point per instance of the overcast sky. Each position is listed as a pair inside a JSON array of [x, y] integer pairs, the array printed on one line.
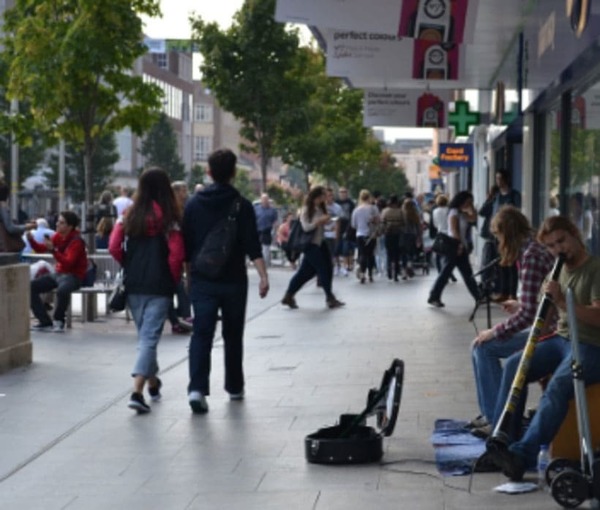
[[174, 23]]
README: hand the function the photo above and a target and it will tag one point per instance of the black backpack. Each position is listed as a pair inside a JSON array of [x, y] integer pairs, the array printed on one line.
[[218, 245]]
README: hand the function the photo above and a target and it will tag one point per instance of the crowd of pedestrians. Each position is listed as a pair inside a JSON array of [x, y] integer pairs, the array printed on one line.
[[159, 236]]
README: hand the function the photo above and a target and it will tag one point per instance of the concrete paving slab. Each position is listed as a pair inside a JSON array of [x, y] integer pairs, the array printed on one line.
[[69, 442]]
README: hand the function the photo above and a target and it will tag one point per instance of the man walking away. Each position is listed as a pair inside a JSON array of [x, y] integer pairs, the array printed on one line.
[[226, 294]]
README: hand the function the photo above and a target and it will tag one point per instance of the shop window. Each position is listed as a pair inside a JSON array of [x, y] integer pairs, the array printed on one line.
[[584, 166]]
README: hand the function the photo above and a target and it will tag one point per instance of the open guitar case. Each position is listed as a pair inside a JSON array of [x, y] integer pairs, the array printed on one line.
[[351, 441]]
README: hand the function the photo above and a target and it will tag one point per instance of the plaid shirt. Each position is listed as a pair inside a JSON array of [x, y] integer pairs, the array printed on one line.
[[534, 265]]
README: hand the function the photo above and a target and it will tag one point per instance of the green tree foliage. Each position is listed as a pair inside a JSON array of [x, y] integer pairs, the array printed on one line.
[[383, 175], [196, 175], [243, 185], [159, 148], [247, 66], [72, 61], [103, 161], [325, 134]]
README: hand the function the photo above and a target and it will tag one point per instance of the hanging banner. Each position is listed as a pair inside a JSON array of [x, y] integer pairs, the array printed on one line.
[[455, 155], [440, 21], [406, 108], [384, 15], [362, 55]]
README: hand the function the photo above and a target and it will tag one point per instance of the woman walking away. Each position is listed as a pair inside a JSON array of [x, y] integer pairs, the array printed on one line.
[[147, 242], [317, 258], [365, 219], [461, 214], [393, 222], [439, 217], [412, 236]]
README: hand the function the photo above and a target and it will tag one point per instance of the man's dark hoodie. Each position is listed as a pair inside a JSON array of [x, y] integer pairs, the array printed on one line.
[[203, 210]]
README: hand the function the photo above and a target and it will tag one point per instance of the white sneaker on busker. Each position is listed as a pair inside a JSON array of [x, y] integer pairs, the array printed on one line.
[[198, 402], [58, 327]]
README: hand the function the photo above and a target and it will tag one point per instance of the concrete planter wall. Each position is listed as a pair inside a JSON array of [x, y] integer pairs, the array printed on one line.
[[15, 342]]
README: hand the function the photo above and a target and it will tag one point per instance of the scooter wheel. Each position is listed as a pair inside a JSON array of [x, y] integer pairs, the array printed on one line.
[[558, 466], [570, 488]]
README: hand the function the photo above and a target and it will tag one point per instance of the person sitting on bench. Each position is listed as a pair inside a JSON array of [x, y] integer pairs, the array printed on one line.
[[69, 252]]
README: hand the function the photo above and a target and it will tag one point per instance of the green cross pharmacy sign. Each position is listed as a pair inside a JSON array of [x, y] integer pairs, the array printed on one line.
[[461, 119]]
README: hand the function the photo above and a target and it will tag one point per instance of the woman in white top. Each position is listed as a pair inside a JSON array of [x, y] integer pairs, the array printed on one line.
[[365, 219], [461, 214], [316, 260], [439, 218]]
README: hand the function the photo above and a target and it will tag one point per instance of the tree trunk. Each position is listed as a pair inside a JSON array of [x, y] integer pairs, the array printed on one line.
[[264, 163], [89, 226]]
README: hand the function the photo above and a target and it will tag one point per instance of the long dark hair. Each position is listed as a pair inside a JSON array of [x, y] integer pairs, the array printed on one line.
[[309, 201], [153, 186], [459, 199]]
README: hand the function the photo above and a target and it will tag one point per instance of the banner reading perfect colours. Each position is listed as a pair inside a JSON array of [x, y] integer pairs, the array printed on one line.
[[361, 55]]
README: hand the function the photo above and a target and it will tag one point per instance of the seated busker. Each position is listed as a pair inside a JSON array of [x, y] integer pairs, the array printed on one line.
[[552, 357], [516, 243], [69, 252]]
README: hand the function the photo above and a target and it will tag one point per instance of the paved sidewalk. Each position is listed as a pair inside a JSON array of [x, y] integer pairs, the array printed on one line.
[[68, 441]]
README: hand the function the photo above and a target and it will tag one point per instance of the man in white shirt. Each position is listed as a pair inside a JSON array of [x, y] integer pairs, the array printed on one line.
[[122, 202]]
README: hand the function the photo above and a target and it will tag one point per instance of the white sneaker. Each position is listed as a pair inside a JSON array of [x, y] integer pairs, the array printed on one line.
[[237, 396], [58, 326], [197, 402], [343, 271]]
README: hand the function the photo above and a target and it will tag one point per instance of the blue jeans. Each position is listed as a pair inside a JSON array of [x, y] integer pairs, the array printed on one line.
[[552, 356], [488, 369], [65, 285], [316, 261], [149, 314], [207, 299]]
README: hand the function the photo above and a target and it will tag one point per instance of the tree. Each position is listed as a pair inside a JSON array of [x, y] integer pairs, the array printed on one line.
[[159, 148], [196, 175], [325, 134], [243, 185], [72, 61], [103, 161], [247, 66]]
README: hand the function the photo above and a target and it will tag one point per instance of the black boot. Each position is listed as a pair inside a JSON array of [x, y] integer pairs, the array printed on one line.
[[289, 300], [333, 302]]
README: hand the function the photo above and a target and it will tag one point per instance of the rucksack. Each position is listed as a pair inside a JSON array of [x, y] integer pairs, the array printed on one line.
[[218, 245], [90, 274]]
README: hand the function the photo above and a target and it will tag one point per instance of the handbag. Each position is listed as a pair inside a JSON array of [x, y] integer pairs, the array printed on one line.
[[10, 243], [443, 244], [298, 240], [118, 298]]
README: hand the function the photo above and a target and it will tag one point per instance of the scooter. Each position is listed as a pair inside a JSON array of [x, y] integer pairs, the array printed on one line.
[[571, 484]]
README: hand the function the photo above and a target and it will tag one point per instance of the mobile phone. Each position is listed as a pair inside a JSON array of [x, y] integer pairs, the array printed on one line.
[[46, 236]]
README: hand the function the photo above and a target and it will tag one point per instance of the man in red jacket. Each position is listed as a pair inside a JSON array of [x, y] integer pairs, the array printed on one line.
[[69, 252]]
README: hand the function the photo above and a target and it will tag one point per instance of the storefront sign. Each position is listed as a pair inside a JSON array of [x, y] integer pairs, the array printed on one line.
[[462, 118], [406, 108], [456, 155]]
